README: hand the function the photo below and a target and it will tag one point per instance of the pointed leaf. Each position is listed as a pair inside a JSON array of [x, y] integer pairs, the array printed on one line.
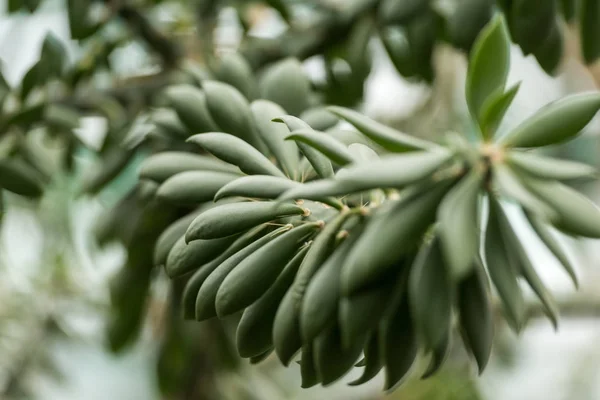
[[550, 168], [235, 151], [488, 65], [273, 134], [556, 122], [189, 102], [193, 187], [161, 166], [576, 213], [330, 147], [494, 109], [386, 137], [285, 83], [256, 186], [229, 219], [459, 229], [553, 245]]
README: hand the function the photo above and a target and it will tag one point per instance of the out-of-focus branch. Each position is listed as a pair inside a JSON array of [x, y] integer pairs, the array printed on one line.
[[307, 41], [169, 51]]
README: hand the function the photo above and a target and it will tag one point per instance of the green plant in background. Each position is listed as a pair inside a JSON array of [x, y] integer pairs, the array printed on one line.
[[245, 165], [331, 250]]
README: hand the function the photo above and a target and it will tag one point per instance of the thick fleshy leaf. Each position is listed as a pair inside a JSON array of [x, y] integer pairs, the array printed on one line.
[[229, 219], [332, 360], [544, 233], [169, 237], [555, 122], [577, 215], [393, 11], [527, 270], [502, 267], [430, 294], [476, 315], [459, 224], [550, 168], [319, 162], [161, 166], [235, 151], [531, 22], [372, 361], [189, 102], [589, 29], [256, 186], [20, 178], [308, 370], [185, 257], [193, 187], [273, 134], [390, 235], [234, 69], [550, 54], [231, 111], [285, 83], [319, 118], [494, 109], [205, 305], [394, 170], [255, 329], [253, 276], [330, 147], [381, 134], [509, 185], [488, 66]]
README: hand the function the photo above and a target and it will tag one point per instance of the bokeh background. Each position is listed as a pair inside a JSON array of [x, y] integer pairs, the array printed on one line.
[[54, 296]]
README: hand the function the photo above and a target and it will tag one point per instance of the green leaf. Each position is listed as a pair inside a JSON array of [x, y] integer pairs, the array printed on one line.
[[320, 302], [236, 151], [589, 29], [545, 235], [576, 213], [168, 122], [30, 81], [386, 137], [527, 270], [189, 103], [169, 237], [231, 111], [319, 118], [273, 135], [494, 109], [205, 300], [393, 11], [467, 21], [509, 184], [549, 167], [568, 9], [18, 177], [256, 186], [319, 162], [459, 224], [550, 54], [161, 166], [430, 294], [255, 330], [476, 315], [187, 257], [554, 123], [330, 147], [332, 360], [531, 22], [14, 5], [234, 69], [488, 66], [398, 343], [393, 171], [390, 235], [229, 219], [193, 187], [53, 59], [253, 276], [308, 369], [373, 362], [286, 84], [502, 267]]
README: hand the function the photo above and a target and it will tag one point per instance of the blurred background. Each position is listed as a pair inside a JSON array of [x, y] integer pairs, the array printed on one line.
[[55, 302]]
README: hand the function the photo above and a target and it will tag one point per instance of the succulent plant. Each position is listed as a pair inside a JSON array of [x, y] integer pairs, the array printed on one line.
[[333, 250]]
